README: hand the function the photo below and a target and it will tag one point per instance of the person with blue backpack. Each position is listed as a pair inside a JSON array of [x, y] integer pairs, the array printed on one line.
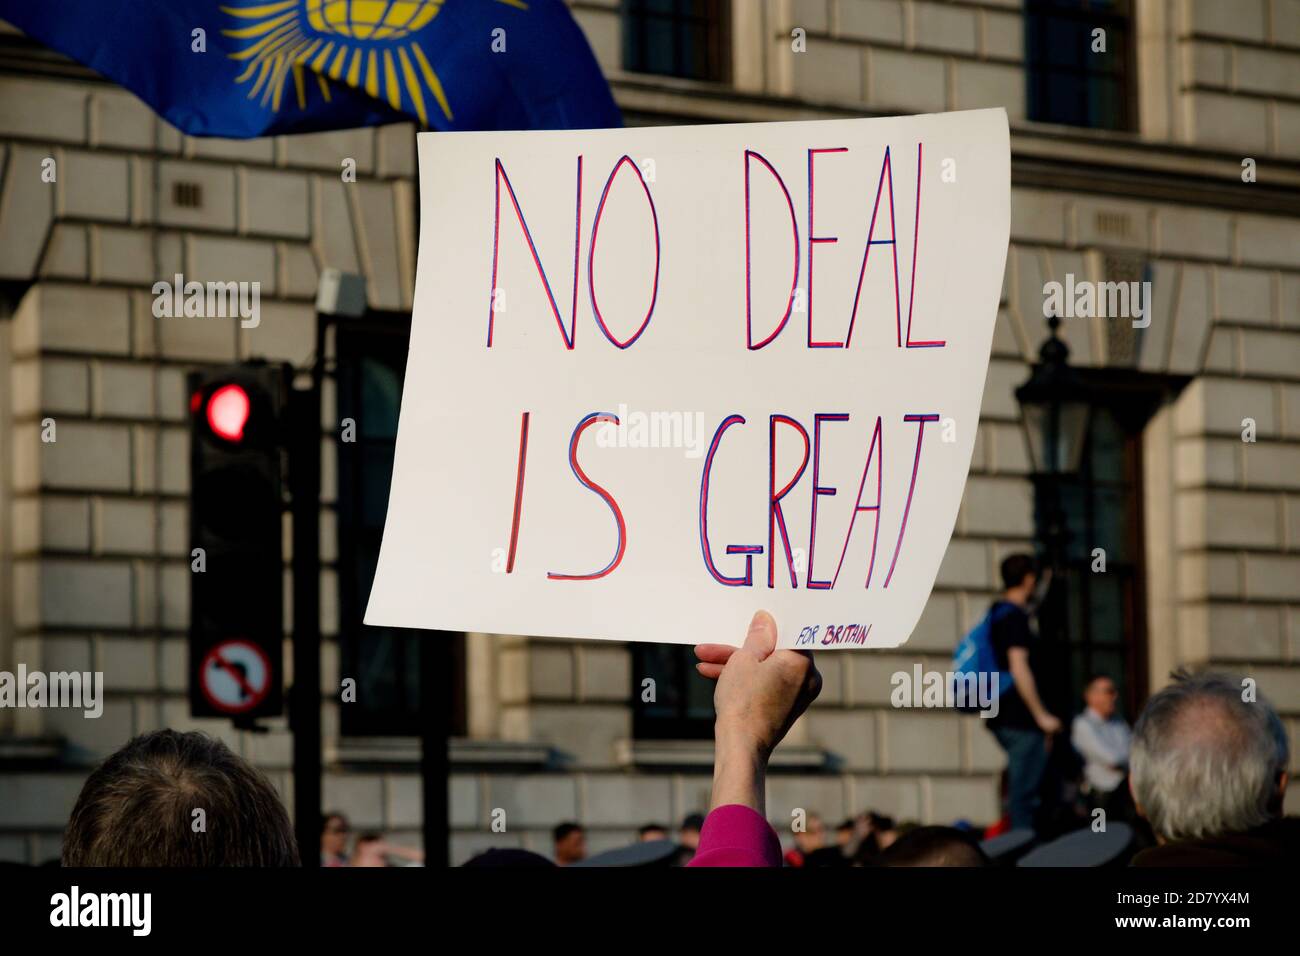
[[1000, 645]]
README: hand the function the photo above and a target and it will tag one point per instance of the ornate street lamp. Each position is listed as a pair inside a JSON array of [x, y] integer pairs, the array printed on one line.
[[1056, 405]]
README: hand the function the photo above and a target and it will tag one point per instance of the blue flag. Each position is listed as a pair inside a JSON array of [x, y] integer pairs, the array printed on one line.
[[242, 68]]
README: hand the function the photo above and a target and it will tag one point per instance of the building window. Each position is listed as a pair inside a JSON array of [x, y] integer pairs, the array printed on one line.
[[682, 708], [1097, 622], [686, 38], [1106, 627], [384, 661], [1070, 80]]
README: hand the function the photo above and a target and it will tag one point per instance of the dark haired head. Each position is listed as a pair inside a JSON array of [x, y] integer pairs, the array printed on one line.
[[933, 846], [564, 829], [329, 817], [1017, 567], [509, 857], [880, 822], [138, 809]]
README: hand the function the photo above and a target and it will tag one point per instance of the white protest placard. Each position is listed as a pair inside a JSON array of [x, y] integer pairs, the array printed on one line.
[[660, 378]]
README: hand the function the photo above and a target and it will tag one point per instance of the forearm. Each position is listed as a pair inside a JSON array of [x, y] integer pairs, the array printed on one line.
[[1028, 690], [736, 832], [1095, 750], [1092, 754], [739, 774], [404, 852]]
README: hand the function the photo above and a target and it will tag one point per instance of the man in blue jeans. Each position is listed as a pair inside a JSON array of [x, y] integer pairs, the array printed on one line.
[[1023, 725]]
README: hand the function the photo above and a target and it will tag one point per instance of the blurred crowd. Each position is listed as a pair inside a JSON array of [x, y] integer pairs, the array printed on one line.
[[1210, 777], [1199, 780]]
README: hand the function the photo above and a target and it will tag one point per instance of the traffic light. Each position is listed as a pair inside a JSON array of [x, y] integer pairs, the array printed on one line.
[[237, 430]]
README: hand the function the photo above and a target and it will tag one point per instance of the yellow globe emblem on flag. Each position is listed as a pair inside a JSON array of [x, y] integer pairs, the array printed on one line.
[[371, 19], [368, 45]]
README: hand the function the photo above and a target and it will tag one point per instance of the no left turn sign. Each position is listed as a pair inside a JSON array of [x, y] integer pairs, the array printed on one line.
[[235, 676]]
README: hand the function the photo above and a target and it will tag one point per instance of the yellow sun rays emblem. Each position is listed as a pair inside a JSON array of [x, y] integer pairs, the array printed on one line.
[[366, 44]]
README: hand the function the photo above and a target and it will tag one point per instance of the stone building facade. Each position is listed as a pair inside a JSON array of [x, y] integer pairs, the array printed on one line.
[[1206, 525]]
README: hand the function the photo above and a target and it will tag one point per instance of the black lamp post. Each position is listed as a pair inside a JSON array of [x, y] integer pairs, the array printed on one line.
[[1056, 405]]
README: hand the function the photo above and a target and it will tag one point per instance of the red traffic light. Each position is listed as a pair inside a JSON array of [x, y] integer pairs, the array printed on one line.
[[227, 414]]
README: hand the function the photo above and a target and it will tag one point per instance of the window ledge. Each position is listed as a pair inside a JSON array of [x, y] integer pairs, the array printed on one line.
[[30, 751], [1055, 156], [699, 754], [464, 752]]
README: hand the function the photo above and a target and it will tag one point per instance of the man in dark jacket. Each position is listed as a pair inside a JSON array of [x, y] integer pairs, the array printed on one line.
[[1023, 724]]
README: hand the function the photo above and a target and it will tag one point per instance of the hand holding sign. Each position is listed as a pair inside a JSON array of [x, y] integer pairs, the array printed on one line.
[[637, 405], [761, 690]]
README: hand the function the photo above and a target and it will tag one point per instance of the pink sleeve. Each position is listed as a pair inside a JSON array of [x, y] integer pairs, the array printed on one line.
[[737, 836]]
